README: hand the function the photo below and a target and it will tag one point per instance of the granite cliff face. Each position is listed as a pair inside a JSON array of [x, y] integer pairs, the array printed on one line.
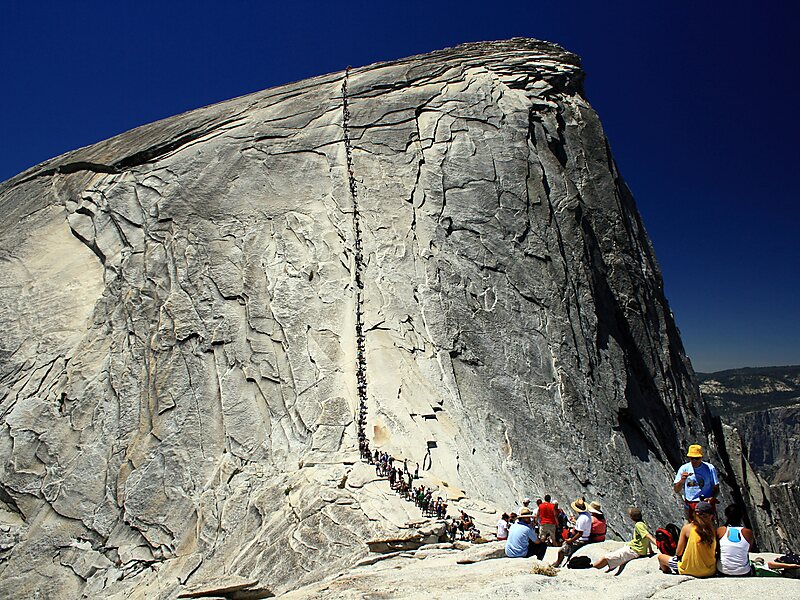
[[178, 364]]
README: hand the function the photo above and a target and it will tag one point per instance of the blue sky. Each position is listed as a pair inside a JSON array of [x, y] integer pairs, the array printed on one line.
[[697, 99]]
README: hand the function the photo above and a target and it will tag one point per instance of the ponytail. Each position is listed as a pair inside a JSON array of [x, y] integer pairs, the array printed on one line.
[[704, 527]]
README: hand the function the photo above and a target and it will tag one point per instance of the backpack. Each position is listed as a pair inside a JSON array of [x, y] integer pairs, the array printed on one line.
[[789, 559], [674, 530], [667, 540], [579, 562]]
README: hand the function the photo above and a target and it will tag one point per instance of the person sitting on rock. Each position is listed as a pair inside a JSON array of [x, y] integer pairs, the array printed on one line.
[[547, 521], [638, 547], [787, 565], [697, 481], [734, 542], [697, 546], [522, 540], [579, 535], [599, 527], [502, 528]]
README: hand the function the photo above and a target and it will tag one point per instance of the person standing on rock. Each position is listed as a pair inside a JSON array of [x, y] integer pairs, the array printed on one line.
[[547, 521], [579, 535], [697, 481], [522, 540], [525, 503]]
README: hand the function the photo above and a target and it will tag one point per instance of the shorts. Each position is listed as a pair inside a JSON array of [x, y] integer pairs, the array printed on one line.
[[673, 565], [620, 557], [568, 549], [547, 530]]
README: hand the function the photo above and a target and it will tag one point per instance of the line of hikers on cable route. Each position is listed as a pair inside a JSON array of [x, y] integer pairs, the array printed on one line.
[[705, 546], [401, 480]]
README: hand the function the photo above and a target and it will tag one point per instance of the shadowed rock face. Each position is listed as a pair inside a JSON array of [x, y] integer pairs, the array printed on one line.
[[179, 351]]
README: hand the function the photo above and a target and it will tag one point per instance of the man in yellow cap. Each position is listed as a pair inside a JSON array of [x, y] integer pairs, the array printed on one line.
[[697, 481]]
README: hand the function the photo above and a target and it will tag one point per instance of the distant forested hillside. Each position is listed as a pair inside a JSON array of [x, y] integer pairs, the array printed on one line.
[[750, 389]]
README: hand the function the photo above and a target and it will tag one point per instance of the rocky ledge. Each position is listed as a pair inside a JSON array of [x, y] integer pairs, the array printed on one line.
[[484, 573]]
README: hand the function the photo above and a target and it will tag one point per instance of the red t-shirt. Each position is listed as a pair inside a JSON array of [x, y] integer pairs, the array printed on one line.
[[547, 514]]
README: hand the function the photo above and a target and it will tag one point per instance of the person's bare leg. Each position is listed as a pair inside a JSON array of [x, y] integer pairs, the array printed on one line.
[[558, 560], [663, 562], [601, 563]]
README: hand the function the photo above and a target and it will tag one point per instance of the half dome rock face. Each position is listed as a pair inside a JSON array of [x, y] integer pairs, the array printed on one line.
[[183, 307]]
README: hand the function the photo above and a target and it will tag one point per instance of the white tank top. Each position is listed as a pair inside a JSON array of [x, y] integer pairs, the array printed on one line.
[[733, 553]]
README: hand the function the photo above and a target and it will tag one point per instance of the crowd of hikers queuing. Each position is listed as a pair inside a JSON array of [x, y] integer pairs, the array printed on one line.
[[703, 547], [401, 480]]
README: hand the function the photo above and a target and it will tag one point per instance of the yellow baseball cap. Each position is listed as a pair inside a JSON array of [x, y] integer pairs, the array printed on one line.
[[695, 451]]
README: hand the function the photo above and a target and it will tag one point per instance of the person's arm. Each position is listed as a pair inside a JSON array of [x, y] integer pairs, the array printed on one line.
[[779, 565], [748, 535], [684, 538], [577, 533], [715, 479], [721, 531], [652, 542], [680, 481]]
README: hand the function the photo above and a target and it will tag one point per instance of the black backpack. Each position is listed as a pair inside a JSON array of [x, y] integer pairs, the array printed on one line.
[[674, 531], [579, 562]]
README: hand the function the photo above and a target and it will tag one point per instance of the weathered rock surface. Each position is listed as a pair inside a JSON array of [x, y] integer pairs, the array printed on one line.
[[177, 370], [449, 575]]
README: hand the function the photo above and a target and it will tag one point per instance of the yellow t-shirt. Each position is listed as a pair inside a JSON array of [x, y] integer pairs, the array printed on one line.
[[699, 559]]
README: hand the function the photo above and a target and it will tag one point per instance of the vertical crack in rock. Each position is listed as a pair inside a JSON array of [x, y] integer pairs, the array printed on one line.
[[361, 357]]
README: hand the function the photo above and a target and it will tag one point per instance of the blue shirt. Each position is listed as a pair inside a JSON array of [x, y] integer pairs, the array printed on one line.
[[701, 481], [517, 542]]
